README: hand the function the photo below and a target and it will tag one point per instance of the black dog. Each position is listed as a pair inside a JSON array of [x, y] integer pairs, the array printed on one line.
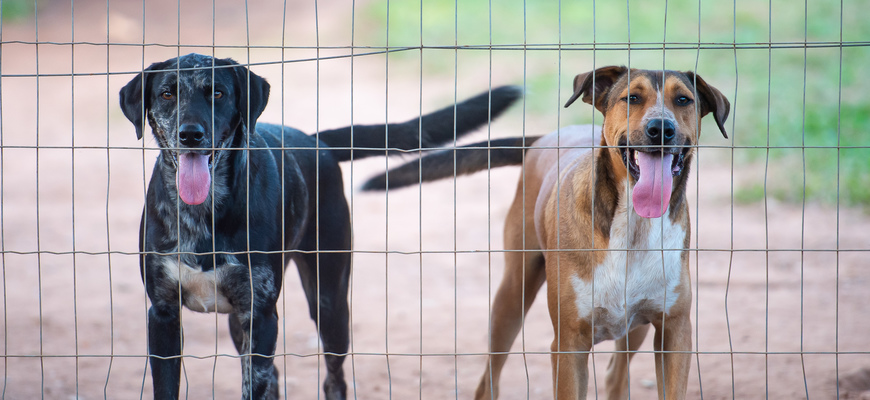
[[231, 201]]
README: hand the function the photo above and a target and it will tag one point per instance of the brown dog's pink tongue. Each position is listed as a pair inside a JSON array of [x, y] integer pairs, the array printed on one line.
[[652, 192], [193, 179]]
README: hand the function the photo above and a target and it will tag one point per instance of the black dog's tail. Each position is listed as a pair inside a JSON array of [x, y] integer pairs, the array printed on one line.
[[437, 127], [454, 162]]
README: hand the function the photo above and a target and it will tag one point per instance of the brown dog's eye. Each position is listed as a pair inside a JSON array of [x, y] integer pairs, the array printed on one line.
[[632, 99], [167, 95], [218, 94], [683, 101]]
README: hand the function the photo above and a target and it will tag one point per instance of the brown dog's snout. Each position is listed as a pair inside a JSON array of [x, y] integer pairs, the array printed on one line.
[[660, 130]]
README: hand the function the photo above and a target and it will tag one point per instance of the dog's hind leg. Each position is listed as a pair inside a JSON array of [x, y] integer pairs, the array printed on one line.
[[524, 275], [164, 342], [329, 311], [508, 311], [324, 269]]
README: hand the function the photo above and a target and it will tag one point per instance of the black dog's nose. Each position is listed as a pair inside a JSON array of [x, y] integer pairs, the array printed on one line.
[[191, 135], [659, 129]]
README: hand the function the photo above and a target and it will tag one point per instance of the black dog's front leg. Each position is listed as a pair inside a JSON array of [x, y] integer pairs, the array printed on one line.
[[164, 346], [259, 376]]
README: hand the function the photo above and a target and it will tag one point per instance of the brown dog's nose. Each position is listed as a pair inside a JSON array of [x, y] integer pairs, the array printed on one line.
[[191, 135], [660, 130]]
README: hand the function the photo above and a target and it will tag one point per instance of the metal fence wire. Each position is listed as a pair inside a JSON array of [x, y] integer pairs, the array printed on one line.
[[778, 210]]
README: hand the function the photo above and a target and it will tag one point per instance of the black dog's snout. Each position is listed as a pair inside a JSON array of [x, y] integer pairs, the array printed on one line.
[[660, 130], [191, 135]]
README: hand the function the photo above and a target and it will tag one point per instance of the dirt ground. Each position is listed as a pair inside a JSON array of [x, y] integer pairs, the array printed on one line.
[[780, 291]]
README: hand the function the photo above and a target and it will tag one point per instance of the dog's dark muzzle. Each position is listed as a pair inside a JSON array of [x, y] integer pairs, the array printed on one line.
[[630, 155], [653, 164], [191, 135], [194, 159], [659, 137], [194, 138], [660, 131]]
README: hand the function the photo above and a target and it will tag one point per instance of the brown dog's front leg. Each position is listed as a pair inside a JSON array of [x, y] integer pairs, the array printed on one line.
[[571, 345], [570, 361], [673, 344], [617, 370]]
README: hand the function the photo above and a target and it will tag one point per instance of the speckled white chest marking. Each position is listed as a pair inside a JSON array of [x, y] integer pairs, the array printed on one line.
[[631, 284], [201, 290]]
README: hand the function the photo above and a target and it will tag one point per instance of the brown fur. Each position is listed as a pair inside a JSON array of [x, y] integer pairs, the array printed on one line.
[[574, 207], [571, 218]]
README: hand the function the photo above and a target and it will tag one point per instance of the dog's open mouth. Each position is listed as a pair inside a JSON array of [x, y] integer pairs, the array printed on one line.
[[653, 170], [193, 178]]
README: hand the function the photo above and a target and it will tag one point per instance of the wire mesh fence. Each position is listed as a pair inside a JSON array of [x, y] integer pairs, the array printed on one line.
[[778, 210]]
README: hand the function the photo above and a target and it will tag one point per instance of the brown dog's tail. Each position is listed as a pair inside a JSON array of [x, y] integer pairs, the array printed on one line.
[[453, 162], [430, 130]]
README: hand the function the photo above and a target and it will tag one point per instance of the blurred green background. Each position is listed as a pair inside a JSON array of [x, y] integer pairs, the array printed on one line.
[[792, 105], [13, 10]]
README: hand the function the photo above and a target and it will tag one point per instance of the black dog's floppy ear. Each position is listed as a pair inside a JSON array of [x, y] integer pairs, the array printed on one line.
[[252, 94], [132, 98], [712, 101], [603, 78]]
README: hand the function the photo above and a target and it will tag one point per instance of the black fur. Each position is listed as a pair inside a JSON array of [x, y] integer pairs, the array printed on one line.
[[462, 160], [369, 140], [260, 212]]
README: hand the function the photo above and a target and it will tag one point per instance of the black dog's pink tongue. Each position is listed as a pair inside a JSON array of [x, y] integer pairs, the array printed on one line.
[[193, 179], [652, 192]]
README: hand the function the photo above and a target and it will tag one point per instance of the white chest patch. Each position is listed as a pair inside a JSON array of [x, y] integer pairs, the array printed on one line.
[[201, 290], [638, 277]]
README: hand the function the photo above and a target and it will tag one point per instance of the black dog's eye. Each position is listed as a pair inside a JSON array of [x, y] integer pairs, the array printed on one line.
[[167, 95], [683, 101], [218, 94]]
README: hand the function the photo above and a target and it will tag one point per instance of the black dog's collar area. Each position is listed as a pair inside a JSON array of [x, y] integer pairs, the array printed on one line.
[[629, 158]]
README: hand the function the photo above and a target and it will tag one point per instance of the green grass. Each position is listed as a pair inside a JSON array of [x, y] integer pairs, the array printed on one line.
[[773, 104], [14, 10]]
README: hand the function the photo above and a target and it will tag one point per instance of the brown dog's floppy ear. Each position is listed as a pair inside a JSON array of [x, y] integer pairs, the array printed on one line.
[[132, 98], [712, 101], [252, 94], [603, 78]]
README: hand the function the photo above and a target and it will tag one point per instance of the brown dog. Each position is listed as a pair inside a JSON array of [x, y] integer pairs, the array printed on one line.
[[608, 229]]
